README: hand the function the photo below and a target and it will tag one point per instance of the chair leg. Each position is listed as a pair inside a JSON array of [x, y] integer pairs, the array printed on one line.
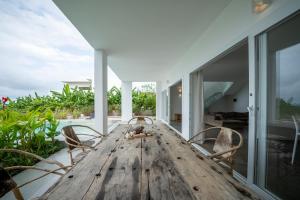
[[71, 157], [294, 149], [18, 194], [231, 162]]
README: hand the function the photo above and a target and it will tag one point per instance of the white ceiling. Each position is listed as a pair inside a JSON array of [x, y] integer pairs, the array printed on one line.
[[143, 38], [232, 67]]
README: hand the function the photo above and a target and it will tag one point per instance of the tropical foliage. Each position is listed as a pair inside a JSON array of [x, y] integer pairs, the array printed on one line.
[[30, 123], [143, 100], [114, 100], [32, 131], [68, 102], [74, 102]]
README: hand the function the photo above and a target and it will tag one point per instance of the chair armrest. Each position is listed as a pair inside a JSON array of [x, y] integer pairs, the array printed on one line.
[[33, 156], [143, 117], [90, 135], [204, 139], [83, 126], [224, 152], [78, 145], [202, 132], [31, 167], [47, 173]]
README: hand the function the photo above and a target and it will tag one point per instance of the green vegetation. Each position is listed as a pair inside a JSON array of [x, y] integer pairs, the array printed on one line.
[[287, 109], [30, 123], [68, 102], [143, 101], [73, 102], [33, 132], [114, 101]]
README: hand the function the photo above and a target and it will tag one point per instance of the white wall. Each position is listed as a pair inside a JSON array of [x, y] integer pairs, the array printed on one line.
[[235, 23], [226, 104], [175, 102]]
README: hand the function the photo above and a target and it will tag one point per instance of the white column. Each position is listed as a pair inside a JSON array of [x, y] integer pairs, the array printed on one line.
[[126, 100], [186, 106], [100, 87], [169, 105], [159, 106]]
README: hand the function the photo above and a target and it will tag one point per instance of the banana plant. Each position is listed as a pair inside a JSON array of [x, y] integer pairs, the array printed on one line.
[[51, 125]]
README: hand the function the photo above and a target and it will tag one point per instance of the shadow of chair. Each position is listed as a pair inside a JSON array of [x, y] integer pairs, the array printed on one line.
[[7, 184], [223, 147], [74, 143]]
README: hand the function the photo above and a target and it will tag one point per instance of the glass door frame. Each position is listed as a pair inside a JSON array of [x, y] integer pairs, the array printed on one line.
[[258, 105], [256, 44]]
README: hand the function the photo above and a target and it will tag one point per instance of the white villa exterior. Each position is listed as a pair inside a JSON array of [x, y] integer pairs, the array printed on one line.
[[82, 85], [188, 43]]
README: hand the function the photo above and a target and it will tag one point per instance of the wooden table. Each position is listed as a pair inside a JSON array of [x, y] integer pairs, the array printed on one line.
[[162, 166]]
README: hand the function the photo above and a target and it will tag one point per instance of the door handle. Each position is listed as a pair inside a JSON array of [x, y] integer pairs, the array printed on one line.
[[250, 108]]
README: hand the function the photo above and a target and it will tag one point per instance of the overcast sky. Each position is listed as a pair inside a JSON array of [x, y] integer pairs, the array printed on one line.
[[289, 73], [40, 48]]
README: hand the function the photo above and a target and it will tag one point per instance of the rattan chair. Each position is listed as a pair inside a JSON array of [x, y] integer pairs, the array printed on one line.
[[74, 143], [144, 125], [7, 184], [141, 120], [224, 149]]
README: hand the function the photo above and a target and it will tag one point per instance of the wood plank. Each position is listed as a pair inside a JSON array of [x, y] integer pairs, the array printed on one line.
[[78, 180], [163, 166], [160, 179], [120, 177], [208, 180]]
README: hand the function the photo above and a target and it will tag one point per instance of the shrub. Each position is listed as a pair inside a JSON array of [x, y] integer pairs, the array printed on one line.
[[32, 132]]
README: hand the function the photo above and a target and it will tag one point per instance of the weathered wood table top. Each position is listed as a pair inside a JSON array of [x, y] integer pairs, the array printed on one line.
[[162, 166]]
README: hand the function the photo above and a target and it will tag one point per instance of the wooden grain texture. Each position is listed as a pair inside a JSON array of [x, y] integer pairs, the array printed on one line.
[[161, 180], [121, 175], [163, 166], [208, 180], [76, 183]]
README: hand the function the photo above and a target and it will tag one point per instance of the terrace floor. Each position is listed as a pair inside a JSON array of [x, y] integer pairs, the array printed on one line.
[[162, 166]]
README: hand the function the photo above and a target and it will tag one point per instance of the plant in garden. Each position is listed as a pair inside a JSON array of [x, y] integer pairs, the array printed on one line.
[[61, 103], [52, 126], [32, 132]]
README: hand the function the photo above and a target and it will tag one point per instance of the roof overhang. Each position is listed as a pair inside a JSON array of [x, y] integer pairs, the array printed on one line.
[[142, 38]]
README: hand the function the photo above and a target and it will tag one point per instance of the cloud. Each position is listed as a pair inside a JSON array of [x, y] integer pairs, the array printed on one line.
[[39, 48]]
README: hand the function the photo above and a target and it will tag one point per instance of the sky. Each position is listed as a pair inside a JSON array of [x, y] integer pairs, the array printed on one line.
[[288, 73], [40, 48]]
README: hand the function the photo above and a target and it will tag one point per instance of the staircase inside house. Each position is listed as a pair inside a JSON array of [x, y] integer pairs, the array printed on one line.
[[213, 91]]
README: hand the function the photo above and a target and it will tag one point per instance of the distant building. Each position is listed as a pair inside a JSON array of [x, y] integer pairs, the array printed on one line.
[[82, 85]]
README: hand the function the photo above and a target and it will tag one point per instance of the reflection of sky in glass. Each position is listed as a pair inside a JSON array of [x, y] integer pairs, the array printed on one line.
[[289, 73]]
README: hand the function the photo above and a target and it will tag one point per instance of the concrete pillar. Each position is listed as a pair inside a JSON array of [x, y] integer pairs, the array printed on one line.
[[186, 106], [159, 100], [126, 100], [100, 88]]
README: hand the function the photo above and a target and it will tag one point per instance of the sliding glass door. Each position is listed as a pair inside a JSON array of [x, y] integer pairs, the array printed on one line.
[[277, 171]]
